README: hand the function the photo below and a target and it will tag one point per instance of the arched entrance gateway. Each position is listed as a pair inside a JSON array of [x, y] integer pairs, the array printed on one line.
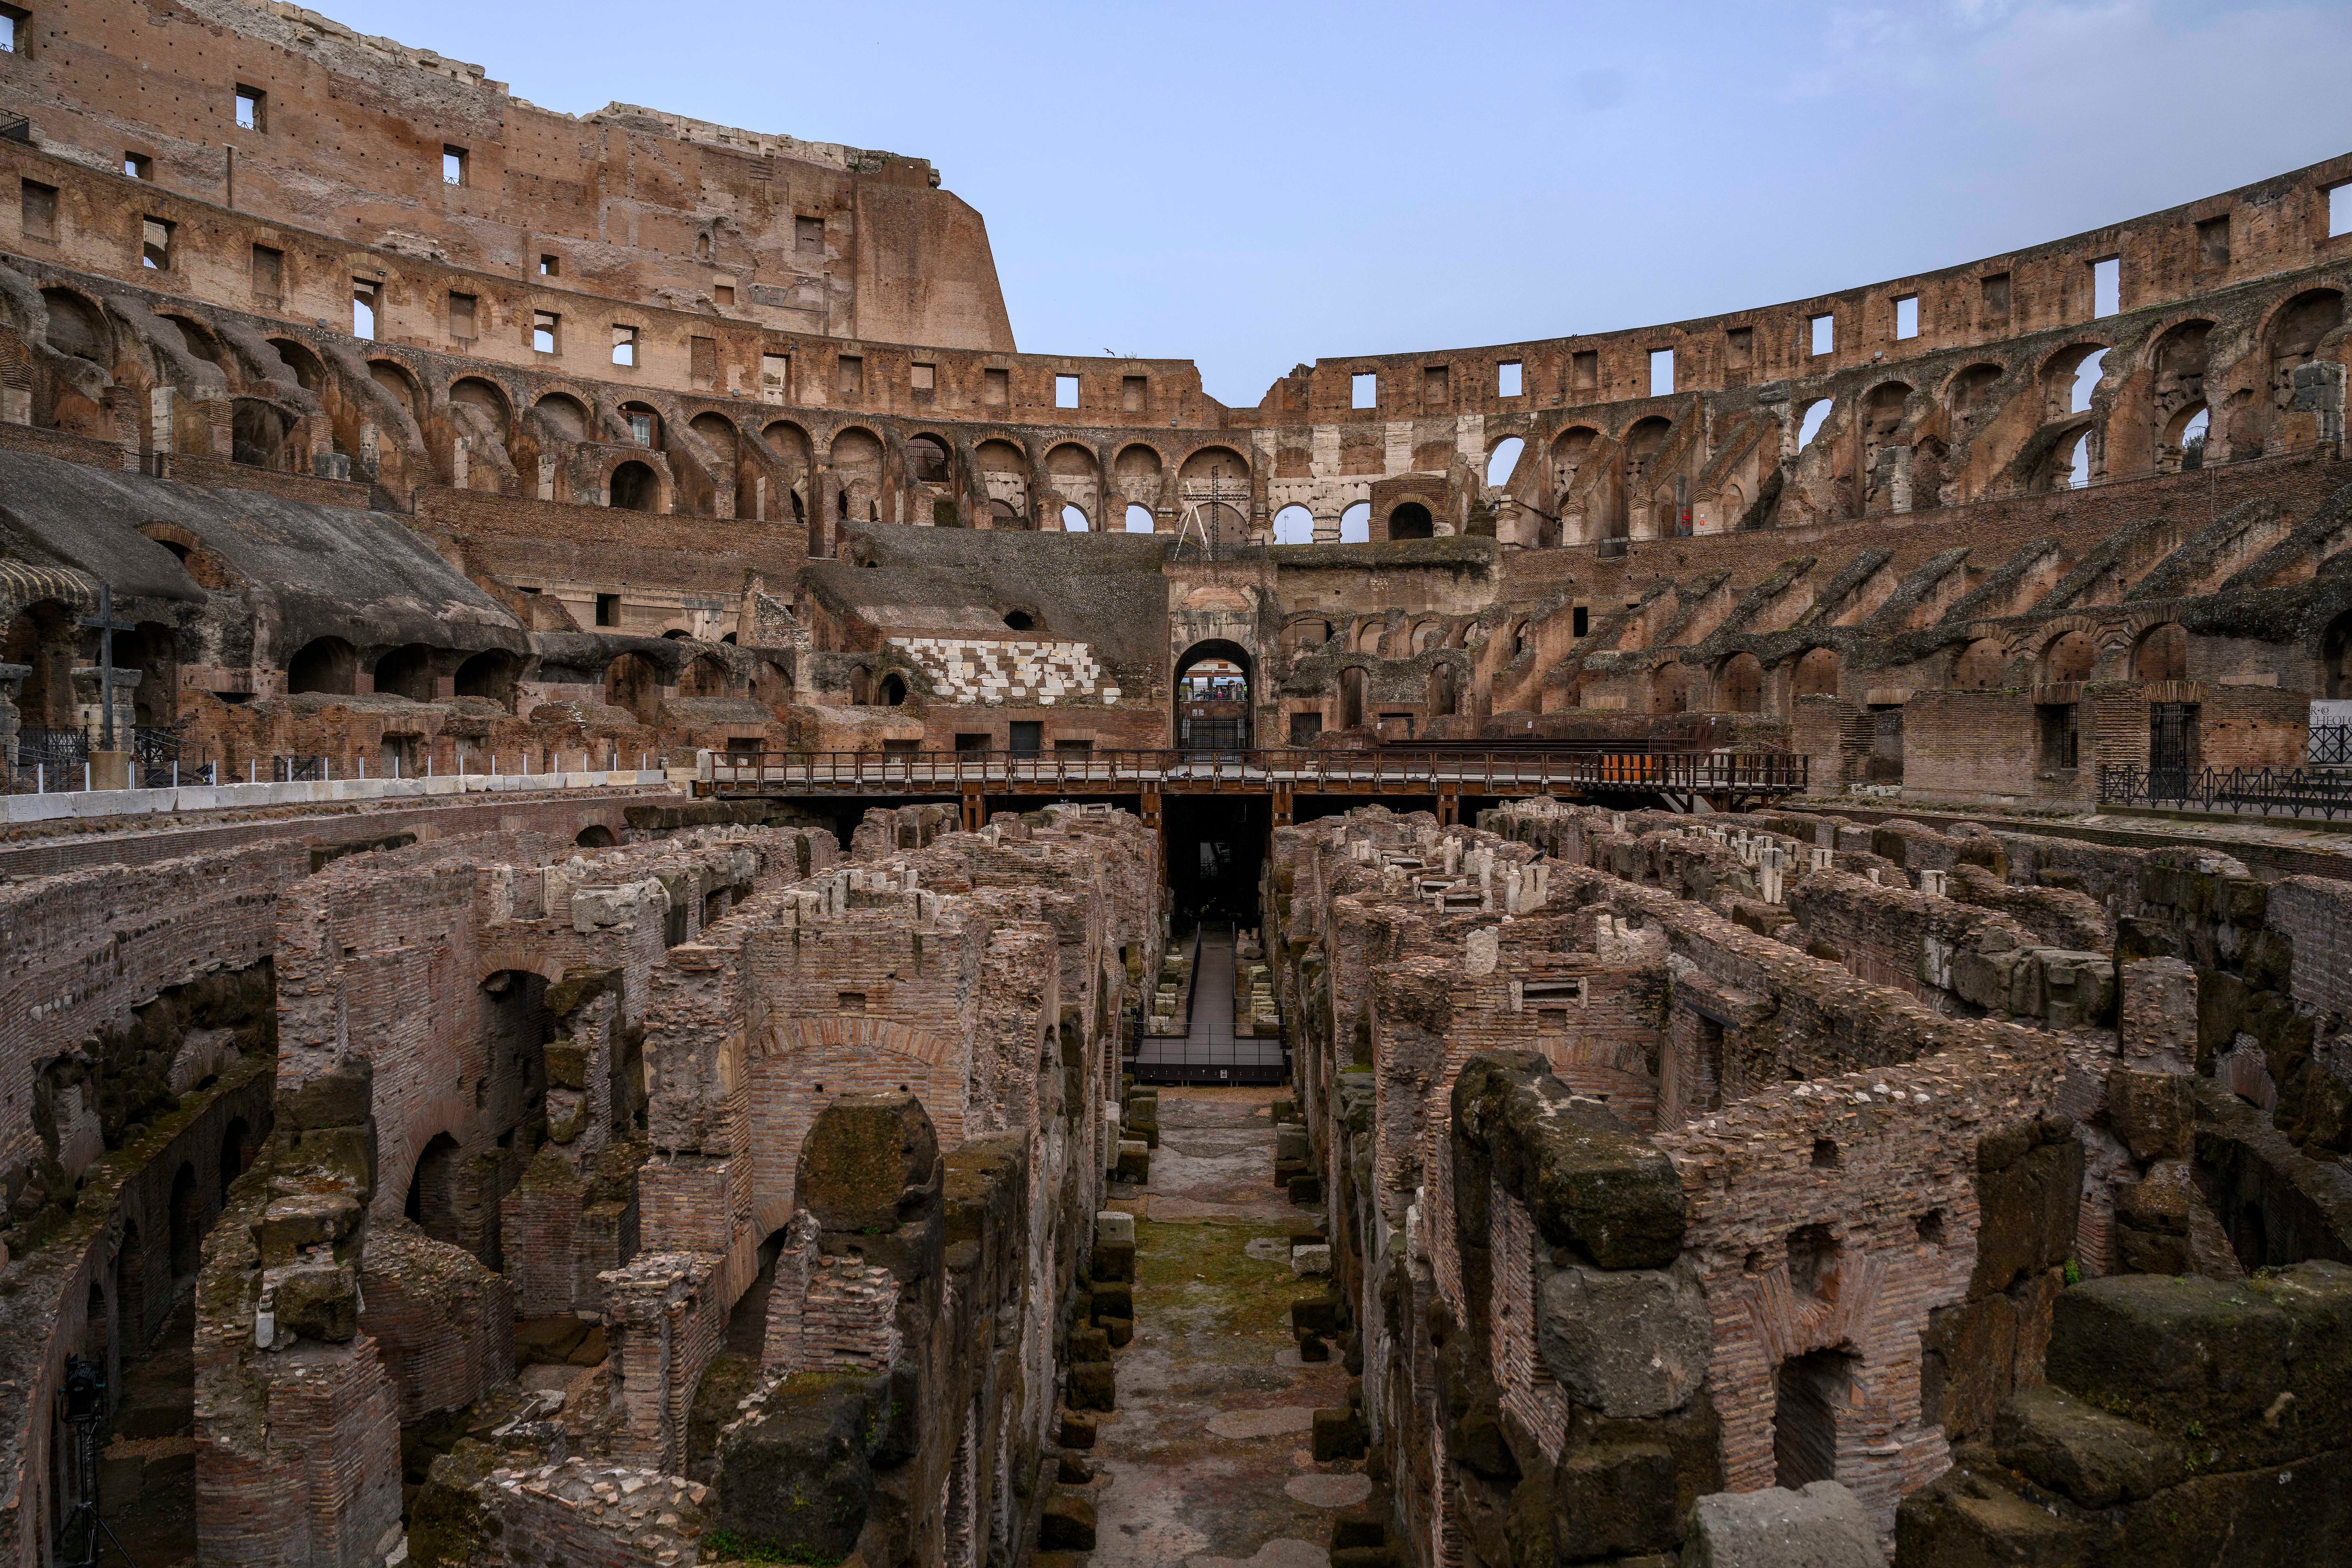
[[1214, 697]]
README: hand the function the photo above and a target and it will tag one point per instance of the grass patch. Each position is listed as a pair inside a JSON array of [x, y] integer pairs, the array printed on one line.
[[1195, 1276]]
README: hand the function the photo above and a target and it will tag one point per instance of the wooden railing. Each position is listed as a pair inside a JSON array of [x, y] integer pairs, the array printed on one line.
[[1390, 770]]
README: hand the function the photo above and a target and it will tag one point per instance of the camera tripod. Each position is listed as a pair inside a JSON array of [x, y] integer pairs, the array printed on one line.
[[84, 1412]]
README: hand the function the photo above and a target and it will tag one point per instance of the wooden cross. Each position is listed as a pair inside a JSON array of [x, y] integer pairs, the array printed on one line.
[[106, 625]]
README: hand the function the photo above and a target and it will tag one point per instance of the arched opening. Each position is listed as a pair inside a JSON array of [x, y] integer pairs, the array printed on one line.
[[1740, 684], [432, 1199], [861, 686], [1410, 519], [1020, 620], [1213, 697], [633, 487], [1670, 687], [1444, 695], [2182, 449], [44, 637], [2296, 334], [2069, 658], [1140, 520], [1356, 524], [595, 835], [705, 675], [1074, 521], [2161, 653], [1504, 460], [1810, 422], [564, 417], [395, 380], [927, 460], [2335, 658], [328, 666], [236, 1153], [1351, 697], [1293, 525], [1425, 634], [481, 408], [187, 1205], [1310, 633], [258, 433], [309, 374], [894, 690], [1817, 674], [1980, 665], [76, 327], [489, 674], [406, 672], [633, 682]]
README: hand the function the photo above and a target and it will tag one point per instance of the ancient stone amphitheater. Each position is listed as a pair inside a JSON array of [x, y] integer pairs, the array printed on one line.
[[660, 904]]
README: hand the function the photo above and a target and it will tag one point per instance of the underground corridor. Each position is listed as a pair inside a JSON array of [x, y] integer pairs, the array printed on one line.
[[1210, 1458]]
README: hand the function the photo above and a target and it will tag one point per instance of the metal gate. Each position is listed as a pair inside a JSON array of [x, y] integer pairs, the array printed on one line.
[[2171, 748]]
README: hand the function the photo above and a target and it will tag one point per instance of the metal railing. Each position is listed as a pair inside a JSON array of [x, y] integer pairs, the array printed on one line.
[[1389, 769], [2252, 792], [2330, 746], [51, 760]]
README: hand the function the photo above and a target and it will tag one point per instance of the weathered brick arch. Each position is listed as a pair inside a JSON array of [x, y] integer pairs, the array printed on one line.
[[848, 1053]]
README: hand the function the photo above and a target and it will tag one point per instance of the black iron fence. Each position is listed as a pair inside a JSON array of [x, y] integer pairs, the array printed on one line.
[[2250, 792], [52, 760], [2330, 747]]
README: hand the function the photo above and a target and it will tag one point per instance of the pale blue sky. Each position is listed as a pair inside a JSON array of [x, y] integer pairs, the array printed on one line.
[[1254, 185]]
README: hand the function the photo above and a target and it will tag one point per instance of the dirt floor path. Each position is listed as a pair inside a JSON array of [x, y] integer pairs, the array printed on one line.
[[1208, 1461]]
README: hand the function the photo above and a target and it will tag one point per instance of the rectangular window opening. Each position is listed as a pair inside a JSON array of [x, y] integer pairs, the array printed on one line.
[[1824, 339], [775, 377], [1994, 291], [641, 428], [702, 361], [453, 166], [624, 346], [1365, 389], [1065, 392], [2213, 241], [1580, 621], [546, 332], [249, 109], [1584, 369], [1305, 727], [1661, 372], [853, 375], [1508, 379], [2106, 286], [1134, 393], [1436, 386], [268, 274], [723, 294], [923, 378], [365, 292], [1739, 348], [551, 267], [40, 206], [608, 609], [1907, 317], [139, 165], [808, 235], [2339, 209], [996, 387], [1026, 735], [155, 245], [15, 32]]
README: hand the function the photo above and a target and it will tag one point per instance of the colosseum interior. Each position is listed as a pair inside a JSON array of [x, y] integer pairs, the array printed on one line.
[[1723, 943]]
